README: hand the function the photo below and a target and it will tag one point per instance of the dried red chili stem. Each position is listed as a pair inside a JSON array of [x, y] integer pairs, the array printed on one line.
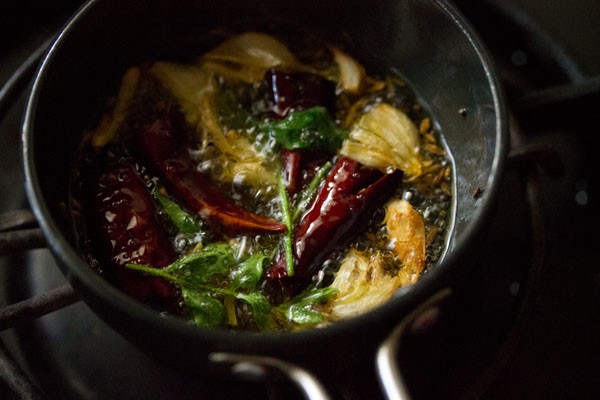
[[162, 145]]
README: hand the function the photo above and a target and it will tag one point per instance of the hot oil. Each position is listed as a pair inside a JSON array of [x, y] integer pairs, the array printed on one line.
[[430, 193]]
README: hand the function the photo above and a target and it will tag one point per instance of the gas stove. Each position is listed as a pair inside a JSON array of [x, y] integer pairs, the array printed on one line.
[[523, 325]]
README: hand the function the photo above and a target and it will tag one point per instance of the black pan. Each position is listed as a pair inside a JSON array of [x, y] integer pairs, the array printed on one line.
[[428, 42]]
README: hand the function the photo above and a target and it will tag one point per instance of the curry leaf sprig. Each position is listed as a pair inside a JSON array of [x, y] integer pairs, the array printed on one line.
[[209, 276], [309, 192], [211, 272], [290, 217], [195, 269], [287, 220]]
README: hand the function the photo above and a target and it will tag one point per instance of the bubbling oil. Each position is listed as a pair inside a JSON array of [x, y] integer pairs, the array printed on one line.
[[430, 193]]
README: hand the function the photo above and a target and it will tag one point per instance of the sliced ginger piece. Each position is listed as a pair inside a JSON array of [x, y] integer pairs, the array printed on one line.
[[406, 230]]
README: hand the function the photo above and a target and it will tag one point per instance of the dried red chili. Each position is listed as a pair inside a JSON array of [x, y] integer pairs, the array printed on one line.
[[126, 229], [161, 143], [338, 213]]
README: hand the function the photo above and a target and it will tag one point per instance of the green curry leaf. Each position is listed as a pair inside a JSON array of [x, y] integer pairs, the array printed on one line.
[[260, 305], [248, 273], [206, 310], [300, 309], [307, 129], [182, 220], [304, 315], [198, 268]]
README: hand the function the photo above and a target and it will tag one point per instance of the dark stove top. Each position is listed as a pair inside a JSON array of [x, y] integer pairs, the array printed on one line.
[[523, 325]]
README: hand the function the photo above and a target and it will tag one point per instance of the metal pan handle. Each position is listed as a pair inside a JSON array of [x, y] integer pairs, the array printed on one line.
[[422, 317], [262, 368], [392, 383]]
